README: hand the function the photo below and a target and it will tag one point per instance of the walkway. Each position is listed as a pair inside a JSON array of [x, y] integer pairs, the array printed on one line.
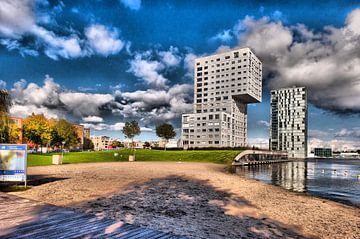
[[23, 218]]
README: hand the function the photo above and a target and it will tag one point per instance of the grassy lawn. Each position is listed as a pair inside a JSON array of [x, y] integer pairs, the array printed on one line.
[[211, 156]]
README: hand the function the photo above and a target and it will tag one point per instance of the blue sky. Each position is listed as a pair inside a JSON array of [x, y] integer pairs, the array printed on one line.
[[102, 63]]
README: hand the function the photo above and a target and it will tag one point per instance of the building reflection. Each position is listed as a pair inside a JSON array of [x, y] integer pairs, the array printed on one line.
[[291, 175]]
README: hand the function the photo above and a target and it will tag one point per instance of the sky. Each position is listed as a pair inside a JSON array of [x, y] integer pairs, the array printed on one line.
[[102, 63]]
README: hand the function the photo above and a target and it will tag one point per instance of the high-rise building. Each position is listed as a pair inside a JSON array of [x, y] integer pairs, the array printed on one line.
[[224, 84], [288, 121]]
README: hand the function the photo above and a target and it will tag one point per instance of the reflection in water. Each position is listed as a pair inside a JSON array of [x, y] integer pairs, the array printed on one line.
[[328, 178]]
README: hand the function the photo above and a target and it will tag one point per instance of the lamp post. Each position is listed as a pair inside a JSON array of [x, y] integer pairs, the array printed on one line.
[[62, 151]]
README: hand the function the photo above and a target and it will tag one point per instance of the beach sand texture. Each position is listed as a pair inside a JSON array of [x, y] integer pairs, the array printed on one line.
[[197, 200]]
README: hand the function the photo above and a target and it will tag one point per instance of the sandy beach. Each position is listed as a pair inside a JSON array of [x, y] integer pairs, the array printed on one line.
[[197, 200]]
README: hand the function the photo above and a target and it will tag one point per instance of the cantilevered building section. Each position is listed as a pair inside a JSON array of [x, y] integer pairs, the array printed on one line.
[[288, 121], [223, 86]]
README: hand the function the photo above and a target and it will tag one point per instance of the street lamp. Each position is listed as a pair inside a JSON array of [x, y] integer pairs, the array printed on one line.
[[63, 145]]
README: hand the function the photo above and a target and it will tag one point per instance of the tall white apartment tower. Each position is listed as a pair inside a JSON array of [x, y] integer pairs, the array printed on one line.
[[288, 121], [224, 84]]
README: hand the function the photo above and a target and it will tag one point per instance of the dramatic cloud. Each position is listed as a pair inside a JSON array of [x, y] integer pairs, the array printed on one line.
[[54, 101], [132, 4], [103, 41], [56, 46], [148, 70], [150, 66], [19, 19], [324, 62], [93, 119], [16, 17], [155, 105], [171, 57]]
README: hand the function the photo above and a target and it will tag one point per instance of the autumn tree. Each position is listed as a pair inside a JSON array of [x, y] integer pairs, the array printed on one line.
[[38, 130], [165, 131], [130, 130], [63, 131], [5, 121]]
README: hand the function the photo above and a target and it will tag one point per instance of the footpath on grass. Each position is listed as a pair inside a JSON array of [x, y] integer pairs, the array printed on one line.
[[205, 156]]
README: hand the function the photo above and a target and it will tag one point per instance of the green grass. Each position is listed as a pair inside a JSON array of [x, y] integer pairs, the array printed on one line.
[[210, 156]]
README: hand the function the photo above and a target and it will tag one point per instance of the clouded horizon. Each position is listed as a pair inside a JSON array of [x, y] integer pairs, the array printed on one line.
[[106, 62]]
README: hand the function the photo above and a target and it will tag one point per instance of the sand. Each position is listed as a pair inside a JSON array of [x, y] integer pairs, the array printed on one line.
[[197, 200]]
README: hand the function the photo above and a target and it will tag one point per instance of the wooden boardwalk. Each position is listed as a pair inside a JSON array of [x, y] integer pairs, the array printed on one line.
[[24, 218]]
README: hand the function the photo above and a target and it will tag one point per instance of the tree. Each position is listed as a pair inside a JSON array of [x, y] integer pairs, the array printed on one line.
[[117, 144], [130, 130], [166, 132], [38, 130], [88, 144], [147, 145], [63, 131], [5, 121]]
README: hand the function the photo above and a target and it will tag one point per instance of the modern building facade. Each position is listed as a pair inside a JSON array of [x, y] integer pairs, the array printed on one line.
[[288, 121], [224, 84]]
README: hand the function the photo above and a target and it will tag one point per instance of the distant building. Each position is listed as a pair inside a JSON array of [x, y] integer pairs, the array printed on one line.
[[101, 142], [18, 123], [87, 133], [288, 121], [323, 152], [82, 133], [224, 84]]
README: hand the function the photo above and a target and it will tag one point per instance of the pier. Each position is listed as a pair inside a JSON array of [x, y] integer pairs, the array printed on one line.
[[255, 157]]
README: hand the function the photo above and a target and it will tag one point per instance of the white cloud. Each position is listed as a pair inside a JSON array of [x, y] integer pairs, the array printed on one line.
[[148, 70], [19, 18], [16, 17], [103, 41], [335, 144], [263, 123], [353, 133], [93, 119], [171, 57], [25, 110], [326, 62], [2, 84], [132, 4], [262, 143], [52, 100], [189, 62], [224, 36]]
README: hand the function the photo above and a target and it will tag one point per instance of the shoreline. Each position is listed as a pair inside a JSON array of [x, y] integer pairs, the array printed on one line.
[[171, 196]]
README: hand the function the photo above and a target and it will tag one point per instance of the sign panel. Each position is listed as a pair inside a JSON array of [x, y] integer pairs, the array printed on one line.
[[13, 161]]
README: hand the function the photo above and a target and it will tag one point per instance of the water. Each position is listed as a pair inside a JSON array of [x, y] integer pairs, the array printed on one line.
[[334, 179]]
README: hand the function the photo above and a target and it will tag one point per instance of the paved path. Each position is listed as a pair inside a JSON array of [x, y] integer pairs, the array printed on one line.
[[24, 218]]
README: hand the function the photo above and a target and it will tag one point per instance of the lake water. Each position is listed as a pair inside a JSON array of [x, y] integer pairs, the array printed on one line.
[[334, 179]]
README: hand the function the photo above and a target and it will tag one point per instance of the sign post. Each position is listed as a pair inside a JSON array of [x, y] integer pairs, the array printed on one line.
[[13, 162]]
